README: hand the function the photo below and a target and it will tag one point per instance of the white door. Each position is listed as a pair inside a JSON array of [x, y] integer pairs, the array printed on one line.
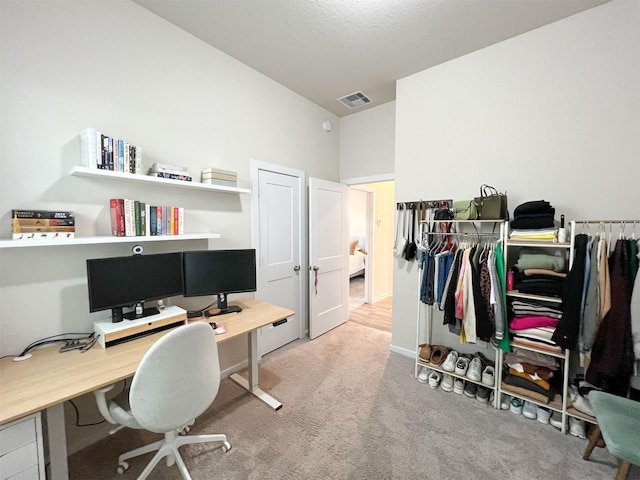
[[279, 242], [328, 256]]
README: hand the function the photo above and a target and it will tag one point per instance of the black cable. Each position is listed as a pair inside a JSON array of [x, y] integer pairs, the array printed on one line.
[[78, 424], [53, 339]]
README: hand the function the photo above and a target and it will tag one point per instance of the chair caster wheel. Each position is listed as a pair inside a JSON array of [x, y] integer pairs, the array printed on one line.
[[226, 446], [123, 467], [184, 431]]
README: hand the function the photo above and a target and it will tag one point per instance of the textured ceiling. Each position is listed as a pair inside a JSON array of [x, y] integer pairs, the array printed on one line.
[[326, 49]]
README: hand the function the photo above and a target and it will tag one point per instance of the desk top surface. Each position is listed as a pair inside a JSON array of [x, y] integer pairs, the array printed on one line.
[[50, 377]]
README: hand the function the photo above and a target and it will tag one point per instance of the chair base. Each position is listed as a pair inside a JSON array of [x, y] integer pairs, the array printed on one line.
[[594, 436], [168, 447]]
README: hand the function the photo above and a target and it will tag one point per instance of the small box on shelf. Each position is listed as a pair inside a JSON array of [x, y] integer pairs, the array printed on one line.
[[42, 224]]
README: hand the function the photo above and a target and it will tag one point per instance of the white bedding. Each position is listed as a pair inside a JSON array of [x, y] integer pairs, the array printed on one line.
[[356, 263]]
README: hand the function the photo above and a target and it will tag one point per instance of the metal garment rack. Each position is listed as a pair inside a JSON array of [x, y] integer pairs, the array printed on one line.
[[498, 237]]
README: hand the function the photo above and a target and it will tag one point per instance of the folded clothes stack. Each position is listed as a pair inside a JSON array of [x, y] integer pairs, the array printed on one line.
[[535, 330], [538, 214], [539, 274], [530, 373]]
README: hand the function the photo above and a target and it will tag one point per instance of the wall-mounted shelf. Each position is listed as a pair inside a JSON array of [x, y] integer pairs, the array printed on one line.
[[130, 177], [104, 239]]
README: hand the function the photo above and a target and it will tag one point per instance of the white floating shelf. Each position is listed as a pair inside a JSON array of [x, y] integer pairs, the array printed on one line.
[[130, 177], [51, 242]]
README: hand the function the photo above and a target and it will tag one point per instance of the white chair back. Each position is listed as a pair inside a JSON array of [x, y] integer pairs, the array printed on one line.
[[177, 380]]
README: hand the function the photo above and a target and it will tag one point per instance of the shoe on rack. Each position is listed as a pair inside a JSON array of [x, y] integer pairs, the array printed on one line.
[[461, 365], [474, 372], [542, 414], [438, 354], [529, 410], [576, 427], [449, 364], [470, 389], [488, 376], [423, 375], [556, 420], [434, 380], [447, 383], [515, 406], [582, 403], [425, 353], [458, 386], [482, 395], [506, 401]]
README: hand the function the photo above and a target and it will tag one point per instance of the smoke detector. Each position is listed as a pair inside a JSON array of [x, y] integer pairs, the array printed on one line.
[[354, 100]]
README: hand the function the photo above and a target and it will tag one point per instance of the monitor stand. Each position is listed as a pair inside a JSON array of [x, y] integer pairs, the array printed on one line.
[[223, 308], [141, 313]]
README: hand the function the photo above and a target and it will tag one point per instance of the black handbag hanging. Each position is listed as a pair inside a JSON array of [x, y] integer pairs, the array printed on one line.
[[412, 248]]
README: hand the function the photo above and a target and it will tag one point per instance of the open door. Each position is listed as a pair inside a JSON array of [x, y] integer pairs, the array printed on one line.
[[328, 256]]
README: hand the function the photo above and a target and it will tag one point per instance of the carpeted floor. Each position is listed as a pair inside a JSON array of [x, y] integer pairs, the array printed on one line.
[[353, 410]]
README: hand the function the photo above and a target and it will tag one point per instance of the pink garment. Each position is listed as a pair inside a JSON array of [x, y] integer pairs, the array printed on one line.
[[532, 321]]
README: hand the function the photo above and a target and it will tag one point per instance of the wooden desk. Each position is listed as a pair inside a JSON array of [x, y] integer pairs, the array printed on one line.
[[47, 379]]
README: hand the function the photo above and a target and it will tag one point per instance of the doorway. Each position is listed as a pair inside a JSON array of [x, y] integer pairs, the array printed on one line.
[[371, 219]]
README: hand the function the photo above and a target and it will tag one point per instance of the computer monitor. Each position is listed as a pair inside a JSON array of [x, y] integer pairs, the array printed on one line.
[[219, 272], [119, 282]]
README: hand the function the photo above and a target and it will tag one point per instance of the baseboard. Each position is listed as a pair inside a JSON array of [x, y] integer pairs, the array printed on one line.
[[382, 297], [403, 351]]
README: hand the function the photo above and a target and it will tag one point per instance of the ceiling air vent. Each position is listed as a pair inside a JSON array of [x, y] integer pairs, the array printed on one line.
[[355, 100]]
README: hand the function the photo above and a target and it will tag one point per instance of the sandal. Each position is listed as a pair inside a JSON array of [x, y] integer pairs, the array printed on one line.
[[438, 354], [425, 353]]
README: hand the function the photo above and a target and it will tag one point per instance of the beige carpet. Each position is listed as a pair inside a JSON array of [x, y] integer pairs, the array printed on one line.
[[352, 410]]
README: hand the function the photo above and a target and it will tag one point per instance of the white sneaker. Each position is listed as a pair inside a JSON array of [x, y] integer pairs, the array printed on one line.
[[556, 420], [529, 410], [576, 427], [543, 414], [461, 365], [449, 364], [506, 400], [423, 375], [447, 383], [458, 386], [581, 403], [488, 376], [434, 380], [515, 406], [475, 369]]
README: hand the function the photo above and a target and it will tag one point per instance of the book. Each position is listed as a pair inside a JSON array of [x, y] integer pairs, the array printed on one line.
[[152, 218], [165, 170], [32, 229], [89, 151], [44, 222], [159, 221], [138, 162], [224, 183], [117, 217], [42, 235], [41, 214], [161, 167], [137, 217], [129, 218], [181, 221], [219, 176], [219, 171], [172, 176], [121, 156], [146, 230]]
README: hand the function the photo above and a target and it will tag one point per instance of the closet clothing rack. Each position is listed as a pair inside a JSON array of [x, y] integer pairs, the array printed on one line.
[[424, 203]]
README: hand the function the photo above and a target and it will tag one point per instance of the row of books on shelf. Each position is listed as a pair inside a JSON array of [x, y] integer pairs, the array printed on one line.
[[101, 151], [41, 224], [133, 218]]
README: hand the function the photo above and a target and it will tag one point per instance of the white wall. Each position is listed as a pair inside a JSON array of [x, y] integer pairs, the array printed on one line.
[[552, 114], [357, 214], [116, 67], [367, 144]]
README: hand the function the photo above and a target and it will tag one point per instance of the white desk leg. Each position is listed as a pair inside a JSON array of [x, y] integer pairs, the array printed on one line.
[[57, 442], [252, 384]]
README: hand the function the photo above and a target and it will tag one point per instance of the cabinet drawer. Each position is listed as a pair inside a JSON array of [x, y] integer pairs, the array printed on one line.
[[19, 460], [29, 474], [17, 434]]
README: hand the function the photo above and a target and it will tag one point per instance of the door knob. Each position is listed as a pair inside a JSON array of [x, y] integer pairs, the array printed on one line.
[[296, 268]]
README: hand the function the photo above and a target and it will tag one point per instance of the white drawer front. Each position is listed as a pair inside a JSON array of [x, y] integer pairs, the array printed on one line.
[[19, 460], [29, 474], [17, 434]]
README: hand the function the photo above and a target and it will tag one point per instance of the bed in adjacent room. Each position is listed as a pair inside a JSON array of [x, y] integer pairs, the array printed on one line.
[[357, 257]]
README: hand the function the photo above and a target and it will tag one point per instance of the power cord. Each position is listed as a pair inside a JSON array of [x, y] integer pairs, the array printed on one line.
[[75, 408], [61, 337]]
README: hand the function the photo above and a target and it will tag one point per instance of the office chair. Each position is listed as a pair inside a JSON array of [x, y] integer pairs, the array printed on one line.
[[619, 425], [177, 380]]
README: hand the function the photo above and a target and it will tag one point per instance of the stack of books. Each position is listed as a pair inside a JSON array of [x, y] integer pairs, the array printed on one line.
[[133, 218], [216, 176], [106, 153], [167, 170], [40, 224]]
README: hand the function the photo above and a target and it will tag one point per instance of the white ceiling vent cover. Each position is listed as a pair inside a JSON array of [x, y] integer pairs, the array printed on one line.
[[355, 100]]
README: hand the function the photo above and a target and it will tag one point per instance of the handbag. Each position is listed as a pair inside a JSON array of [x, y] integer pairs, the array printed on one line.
[[412, 248], [401, 241], [465, 210], [491, 204]]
